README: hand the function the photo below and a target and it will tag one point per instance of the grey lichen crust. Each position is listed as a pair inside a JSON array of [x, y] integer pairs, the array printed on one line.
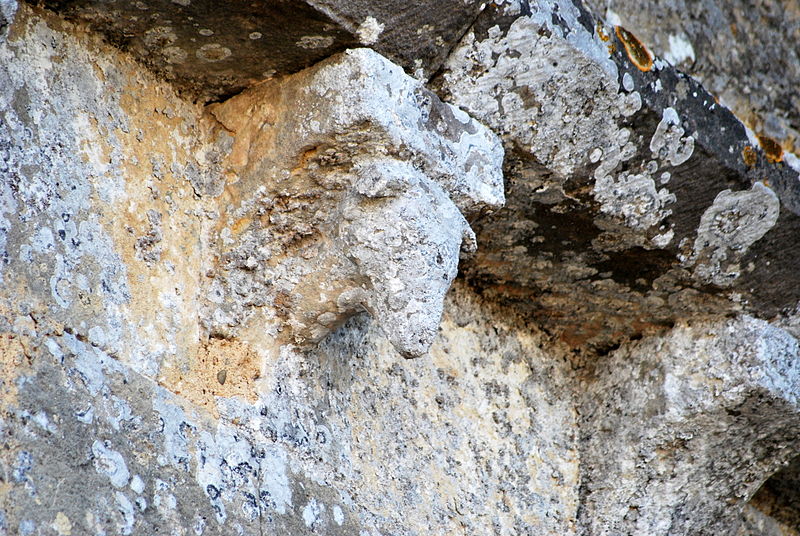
[[630, 190], [166, 267], [351, 186], [680, 431]]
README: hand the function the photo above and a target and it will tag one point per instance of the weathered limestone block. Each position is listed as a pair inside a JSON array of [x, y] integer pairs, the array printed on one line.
[[634, 198], [119, 415], [8, 9], [679, 431], [744, 52], [212, 51], [348, 185], [164, 267]]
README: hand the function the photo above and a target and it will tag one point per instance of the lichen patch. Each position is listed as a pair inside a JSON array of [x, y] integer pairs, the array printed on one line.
[[12, 364], [635, 49]]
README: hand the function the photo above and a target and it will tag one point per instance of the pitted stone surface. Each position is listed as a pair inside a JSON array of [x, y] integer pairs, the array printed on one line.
[[351, 179], [162, 272], [741, 51], [211, 52], [698, 402]]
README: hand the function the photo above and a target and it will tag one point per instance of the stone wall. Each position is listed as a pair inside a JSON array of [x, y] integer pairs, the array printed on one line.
[[224, 235]]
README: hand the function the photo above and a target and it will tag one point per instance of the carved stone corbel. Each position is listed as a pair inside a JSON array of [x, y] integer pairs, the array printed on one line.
[[351, 189]]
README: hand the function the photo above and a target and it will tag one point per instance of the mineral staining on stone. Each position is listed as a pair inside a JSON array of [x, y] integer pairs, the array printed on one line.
[[166, 413], [772, 149]]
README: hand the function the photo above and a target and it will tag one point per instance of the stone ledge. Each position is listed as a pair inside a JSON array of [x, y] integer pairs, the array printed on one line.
[[633, 198]]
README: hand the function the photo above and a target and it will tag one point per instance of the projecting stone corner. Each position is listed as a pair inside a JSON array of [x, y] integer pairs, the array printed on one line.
[[349, 191], [680, 431], [634, 198]]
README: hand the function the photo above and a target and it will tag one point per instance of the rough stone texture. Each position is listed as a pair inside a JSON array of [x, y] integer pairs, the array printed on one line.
[[342, 441], [163, 265], [212, 53], [778, 501], [718, 41], [634, 199], [697, 420], [119, 415], [348, 179]]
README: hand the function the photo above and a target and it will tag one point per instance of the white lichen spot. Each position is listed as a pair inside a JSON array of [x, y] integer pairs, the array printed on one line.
[[254, 35], [62, 525], [315, 41], [182, 2], [680, 50], [125, 507], [160, 36], [630, 104], [369, 31], [206, 32], [657, 86], [174, 55], [137, 484], [213, 52], [634, 199], [668, 142], [110, 463], [338, 515], [312, 513], [627, 82], [733, 223]]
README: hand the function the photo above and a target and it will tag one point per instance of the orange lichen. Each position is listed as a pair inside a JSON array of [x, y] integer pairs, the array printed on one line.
[[772, 149], [637, 52], [749, 156], [601, 32]]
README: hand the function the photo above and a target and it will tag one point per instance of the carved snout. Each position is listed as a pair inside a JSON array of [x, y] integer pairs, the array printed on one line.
[[405, 249]]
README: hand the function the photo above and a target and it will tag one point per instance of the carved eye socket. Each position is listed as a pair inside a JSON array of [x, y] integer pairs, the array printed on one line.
[[637, 52]]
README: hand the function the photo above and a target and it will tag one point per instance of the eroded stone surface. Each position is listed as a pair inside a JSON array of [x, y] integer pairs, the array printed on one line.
[[212, 52], [681, 414], [717, 42], [776, 506], [350, 183], [128, 406]]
